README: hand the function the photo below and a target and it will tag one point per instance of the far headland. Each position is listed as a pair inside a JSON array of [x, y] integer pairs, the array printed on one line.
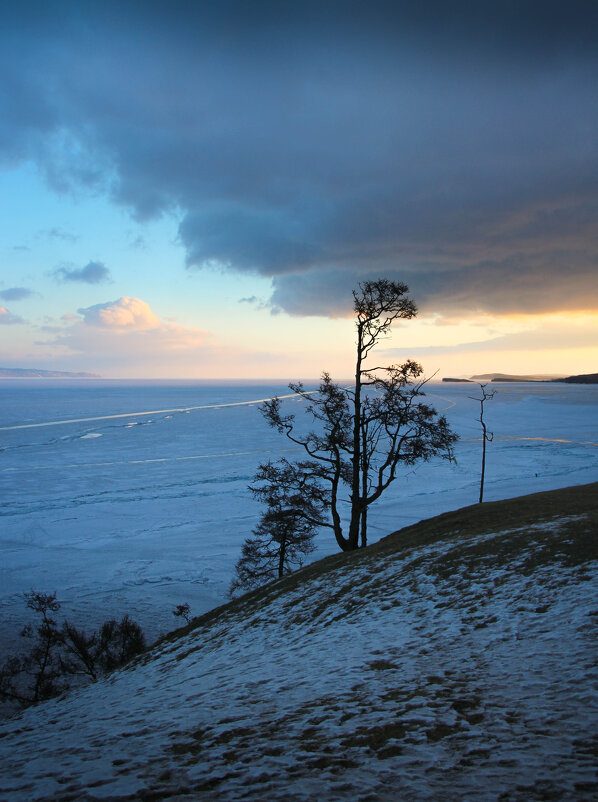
[[584, 378], [33, 373]]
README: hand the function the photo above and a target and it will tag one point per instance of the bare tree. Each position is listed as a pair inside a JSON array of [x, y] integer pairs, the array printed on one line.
[[487, 436], [115, 644], [35, 676], [80, 651], [59, 653], [183, 611], [119, 642], [367, 431]]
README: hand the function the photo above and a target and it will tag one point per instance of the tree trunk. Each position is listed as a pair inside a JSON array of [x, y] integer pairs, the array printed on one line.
[[483, 464], [356, 458], [281, 559], [364, 489], [364, 527], [342, 542]]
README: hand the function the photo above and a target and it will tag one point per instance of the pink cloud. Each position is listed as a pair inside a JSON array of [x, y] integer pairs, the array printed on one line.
[[128, 331], [125, 313], [126, 338]]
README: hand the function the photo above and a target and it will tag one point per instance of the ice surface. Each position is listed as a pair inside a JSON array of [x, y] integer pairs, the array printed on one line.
[[135, 498]]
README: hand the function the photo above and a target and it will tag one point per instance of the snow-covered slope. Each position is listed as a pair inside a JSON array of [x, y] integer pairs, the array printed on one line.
[[453, 660]]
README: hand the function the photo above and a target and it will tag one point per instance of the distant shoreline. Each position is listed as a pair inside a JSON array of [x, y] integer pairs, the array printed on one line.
[[34, 373], [583, 378]]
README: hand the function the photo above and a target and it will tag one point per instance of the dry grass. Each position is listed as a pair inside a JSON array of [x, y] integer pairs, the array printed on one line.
[[577, 546]]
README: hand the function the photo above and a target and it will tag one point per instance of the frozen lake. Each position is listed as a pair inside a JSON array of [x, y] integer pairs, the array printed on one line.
[[132, 496]]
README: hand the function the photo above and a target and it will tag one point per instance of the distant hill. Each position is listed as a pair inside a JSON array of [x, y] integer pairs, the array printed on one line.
[[583, 378], [461, 381], [511, 377], [32, 373], [454, 659]]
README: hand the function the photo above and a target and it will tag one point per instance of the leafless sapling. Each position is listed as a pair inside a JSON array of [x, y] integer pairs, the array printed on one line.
[[35, 675], [183, 611], [487, 436]]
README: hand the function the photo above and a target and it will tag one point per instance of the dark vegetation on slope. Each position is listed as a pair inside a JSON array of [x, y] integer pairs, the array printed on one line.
[[59, 657], [583, 378], [523, 512]]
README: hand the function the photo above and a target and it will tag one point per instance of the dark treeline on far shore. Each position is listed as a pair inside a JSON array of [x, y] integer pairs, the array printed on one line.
[[584, 378]]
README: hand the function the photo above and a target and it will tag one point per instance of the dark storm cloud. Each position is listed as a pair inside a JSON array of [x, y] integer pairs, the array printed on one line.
[[544, 281], [452, 145], [15, 293], [92, 273]]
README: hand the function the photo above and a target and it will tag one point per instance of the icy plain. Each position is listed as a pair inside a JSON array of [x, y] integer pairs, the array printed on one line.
[[132, 497]]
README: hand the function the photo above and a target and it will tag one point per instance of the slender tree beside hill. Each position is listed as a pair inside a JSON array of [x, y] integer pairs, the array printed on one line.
[[364, 433], [183, 611], [487, 436], [37, 674]]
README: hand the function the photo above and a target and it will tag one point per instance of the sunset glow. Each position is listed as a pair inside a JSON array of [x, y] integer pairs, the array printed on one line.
[[191, 192]]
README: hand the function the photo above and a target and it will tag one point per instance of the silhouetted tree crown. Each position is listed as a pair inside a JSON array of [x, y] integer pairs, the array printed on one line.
[[363, 433], [285, 533]]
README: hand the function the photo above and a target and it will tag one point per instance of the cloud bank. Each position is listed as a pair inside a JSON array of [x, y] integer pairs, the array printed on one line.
[[553, 335], [126, 335], [125, 313], [92, 273], [452, 146], [15, 293]]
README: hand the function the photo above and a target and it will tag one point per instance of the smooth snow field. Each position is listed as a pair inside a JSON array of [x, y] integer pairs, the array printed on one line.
[[132, 497]]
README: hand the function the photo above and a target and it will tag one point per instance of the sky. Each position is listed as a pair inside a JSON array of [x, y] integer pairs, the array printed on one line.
[[192, 190]]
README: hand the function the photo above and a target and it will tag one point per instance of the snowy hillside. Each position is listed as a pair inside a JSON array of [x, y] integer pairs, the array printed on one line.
[[453, 660]]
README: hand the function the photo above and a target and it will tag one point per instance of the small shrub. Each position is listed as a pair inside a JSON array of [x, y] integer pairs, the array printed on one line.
[[183, 611]]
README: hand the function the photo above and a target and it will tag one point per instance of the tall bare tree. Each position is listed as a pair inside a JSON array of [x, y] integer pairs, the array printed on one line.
[[367, 431], [487, 436]]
